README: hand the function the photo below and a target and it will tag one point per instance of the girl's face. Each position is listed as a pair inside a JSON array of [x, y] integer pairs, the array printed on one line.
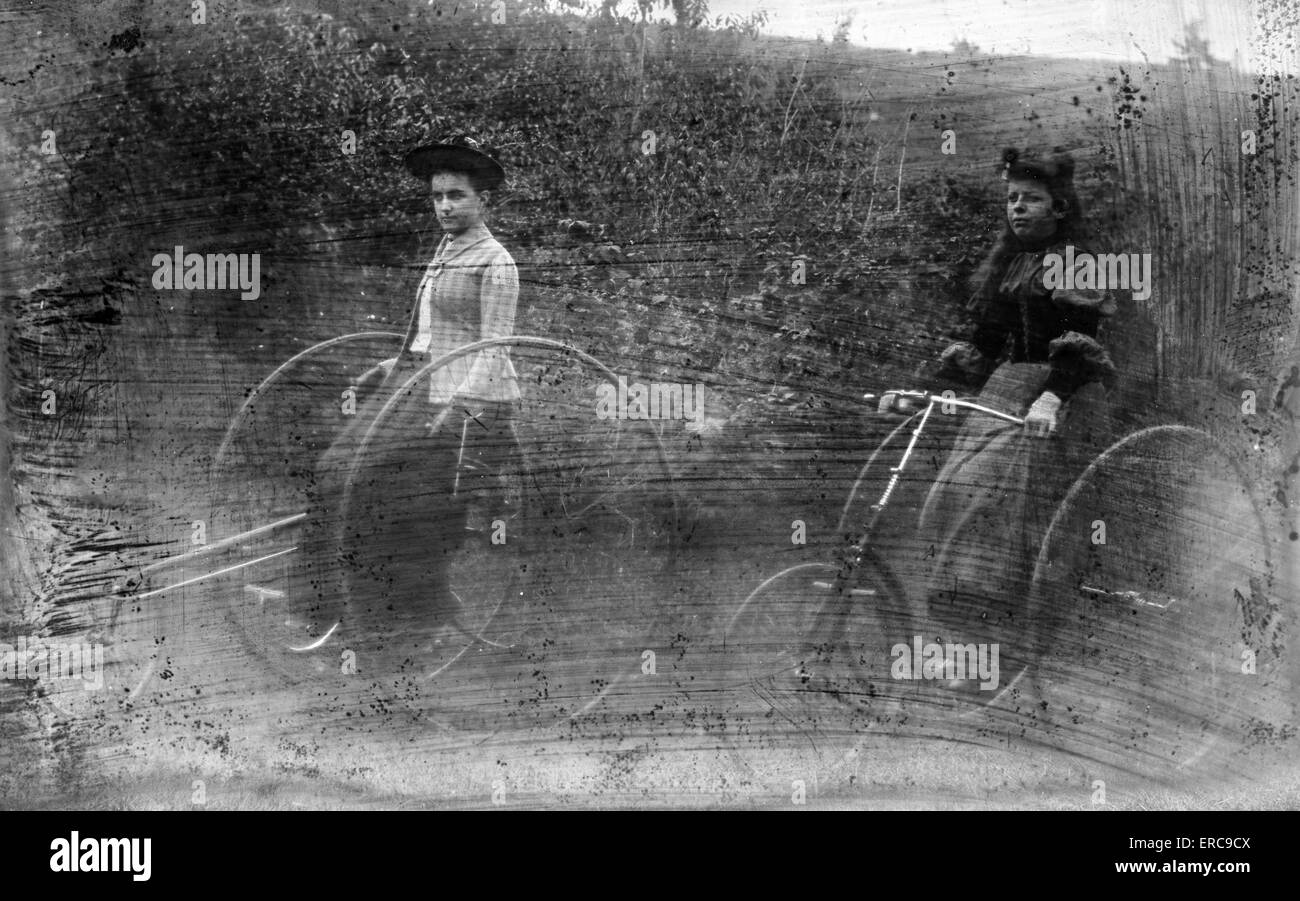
[[1031, 212], [457, 204]]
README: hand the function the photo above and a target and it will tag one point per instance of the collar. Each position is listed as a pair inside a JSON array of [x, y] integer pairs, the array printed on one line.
[[453, 246]]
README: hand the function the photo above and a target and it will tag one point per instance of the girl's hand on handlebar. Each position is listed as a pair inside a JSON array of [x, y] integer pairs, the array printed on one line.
[[1040, 421], [893, 402]]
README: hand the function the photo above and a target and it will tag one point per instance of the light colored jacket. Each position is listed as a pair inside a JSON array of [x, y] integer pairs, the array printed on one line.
[[470, 291]]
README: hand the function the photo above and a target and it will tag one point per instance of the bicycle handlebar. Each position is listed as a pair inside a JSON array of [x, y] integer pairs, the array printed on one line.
[[930, 399]]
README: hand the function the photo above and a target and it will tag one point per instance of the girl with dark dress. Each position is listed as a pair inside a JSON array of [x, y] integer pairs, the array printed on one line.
[[1034, 353]]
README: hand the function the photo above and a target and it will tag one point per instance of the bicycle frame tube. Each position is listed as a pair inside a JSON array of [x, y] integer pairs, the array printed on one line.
[[460, 456], [896, 472]]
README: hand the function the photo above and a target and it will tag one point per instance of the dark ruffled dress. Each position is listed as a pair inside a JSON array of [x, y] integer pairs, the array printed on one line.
[[985, 516]]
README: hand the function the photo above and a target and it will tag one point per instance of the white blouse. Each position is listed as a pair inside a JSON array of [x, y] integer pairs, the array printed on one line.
[[470, 291]]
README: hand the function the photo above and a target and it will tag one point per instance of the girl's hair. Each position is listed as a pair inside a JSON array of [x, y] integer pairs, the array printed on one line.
[[1055, 173], [477, 179]]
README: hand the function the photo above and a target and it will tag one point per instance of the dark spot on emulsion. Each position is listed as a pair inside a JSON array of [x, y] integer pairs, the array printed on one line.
[[1295, 536], [126, 41]]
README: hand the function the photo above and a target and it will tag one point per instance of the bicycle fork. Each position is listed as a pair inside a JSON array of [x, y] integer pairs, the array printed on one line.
[[858, 551], [460, 457]]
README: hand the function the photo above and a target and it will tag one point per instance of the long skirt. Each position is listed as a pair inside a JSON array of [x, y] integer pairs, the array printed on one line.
[[387, 543], [989, 508]]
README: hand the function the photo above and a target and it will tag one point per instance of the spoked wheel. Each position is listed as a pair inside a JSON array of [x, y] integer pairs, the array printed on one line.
[[1150, 596], [264, 490], [809, 671], [561, 585]]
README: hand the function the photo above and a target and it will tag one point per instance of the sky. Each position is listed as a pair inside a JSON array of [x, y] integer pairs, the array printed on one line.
[[1114, 30]]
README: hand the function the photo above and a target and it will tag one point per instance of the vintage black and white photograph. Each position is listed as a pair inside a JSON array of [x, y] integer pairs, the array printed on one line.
[[650, 404]]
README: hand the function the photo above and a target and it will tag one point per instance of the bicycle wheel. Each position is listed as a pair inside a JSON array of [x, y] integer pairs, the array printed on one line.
[[265, 474], [426, 547], [808, 671], [770, 636], [1149, 598], [591, 571]]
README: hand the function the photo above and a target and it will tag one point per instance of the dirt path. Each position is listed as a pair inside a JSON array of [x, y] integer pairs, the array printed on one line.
[[215, 727]]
